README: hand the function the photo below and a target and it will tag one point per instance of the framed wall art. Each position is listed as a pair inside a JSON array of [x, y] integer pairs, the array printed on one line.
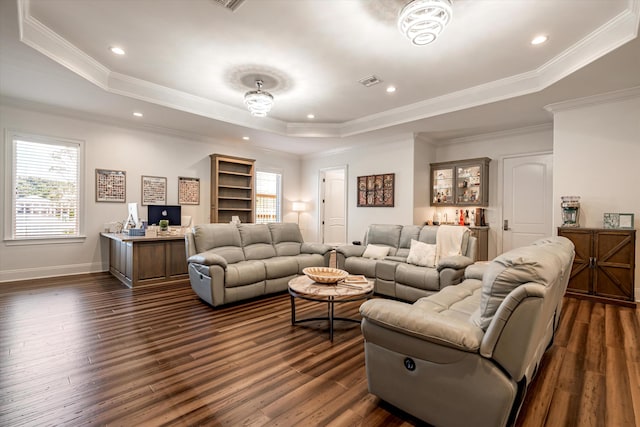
[[111, 186], [188, 191], [154, 190], [622, 221], [376, 190]]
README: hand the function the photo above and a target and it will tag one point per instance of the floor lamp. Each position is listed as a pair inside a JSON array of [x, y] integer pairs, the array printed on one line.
[[298, 207]]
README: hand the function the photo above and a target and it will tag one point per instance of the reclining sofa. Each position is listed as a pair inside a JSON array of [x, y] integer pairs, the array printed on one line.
[[394, 275], [229, 262], [466, 355]]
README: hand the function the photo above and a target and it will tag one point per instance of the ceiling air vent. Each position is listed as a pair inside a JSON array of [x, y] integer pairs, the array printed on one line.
[[370, 81], [229, 4]]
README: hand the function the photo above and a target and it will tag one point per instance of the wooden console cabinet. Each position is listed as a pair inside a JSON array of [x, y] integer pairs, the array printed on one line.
[[138, 260], [604, 265], [482, 234]]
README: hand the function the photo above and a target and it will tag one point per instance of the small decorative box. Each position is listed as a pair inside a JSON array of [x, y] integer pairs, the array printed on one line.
[[136, 232]]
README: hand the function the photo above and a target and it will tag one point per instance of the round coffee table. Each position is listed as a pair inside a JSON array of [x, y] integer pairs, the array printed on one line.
[[305, 288]]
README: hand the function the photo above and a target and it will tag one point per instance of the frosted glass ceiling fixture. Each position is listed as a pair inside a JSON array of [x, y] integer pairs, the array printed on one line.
[[422, 21], [259, 102]]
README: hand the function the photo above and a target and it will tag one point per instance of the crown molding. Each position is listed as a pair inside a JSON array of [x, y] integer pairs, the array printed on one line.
[[31, 106], [41, 38], [603, 40], [603, 98], [543, 127]]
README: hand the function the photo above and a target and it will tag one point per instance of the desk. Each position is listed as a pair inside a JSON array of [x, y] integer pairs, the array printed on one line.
[[137, 260]]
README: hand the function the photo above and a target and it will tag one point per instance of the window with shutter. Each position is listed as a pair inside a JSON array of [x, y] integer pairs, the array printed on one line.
[[268, 197], [46, 188]]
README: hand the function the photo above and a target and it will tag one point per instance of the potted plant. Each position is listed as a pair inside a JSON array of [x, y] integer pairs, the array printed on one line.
[[164, 224]]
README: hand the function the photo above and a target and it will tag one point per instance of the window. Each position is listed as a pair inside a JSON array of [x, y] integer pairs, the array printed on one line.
[[46, 188], [268, 197]]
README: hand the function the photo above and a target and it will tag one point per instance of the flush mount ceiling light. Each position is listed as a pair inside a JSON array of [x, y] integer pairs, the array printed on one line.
[[117, 50], [422, 21], [539, 40], [259, 102]]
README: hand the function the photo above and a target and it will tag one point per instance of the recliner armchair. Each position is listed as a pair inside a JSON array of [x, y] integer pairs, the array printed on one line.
[[465, 355]]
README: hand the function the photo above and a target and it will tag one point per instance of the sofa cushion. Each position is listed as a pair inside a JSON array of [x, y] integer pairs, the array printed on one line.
[[385, 235], [359, 265], [221, 239], [408, 233], [281, 266], [309, 260], [428, 234], [376, 251], [286, 238], [423, 254], [535, 264], [256, 241], [418, 277], [244, 273]]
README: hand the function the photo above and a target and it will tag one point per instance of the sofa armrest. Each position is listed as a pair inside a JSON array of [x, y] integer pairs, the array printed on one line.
[[315, 248], [456, 262], [208, 258], [428, 326], [350, 250], [476, 270]]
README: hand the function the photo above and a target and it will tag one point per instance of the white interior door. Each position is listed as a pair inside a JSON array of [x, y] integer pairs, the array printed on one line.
[[333, 206], [528, 193]]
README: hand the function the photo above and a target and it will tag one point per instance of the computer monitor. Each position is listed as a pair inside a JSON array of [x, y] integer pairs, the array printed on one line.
[[158, 212]]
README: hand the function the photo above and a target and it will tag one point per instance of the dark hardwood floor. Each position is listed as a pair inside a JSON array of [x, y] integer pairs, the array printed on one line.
[[84, 350]]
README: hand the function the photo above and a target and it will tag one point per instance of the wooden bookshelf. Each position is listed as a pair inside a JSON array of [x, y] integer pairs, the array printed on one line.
[[232, 188]]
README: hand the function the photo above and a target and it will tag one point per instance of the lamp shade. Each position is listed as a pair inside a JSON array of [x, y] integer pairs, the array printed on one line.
[[298, 206]]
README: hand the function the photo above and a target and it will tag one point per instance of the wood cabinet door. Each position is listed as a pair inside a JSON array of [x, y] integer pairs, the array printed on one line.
[[615, 254], [581, 273]]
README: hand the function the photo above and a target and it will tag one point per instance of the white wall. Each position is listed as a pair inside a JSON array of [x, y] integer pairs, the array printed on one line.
[[597, 157], [497, 147], [424, 155], [394, 156], [138, 152]]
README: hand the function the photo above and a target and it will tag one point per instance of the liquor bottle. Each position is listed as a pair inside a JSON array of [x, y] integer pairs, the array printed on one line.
[[461, 222], [466, 217]]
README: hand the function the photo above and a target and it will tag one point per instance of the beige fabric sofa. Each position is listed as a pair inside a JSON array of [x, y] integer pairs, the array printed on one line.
[[466, 355], [393, 275], [229, 263]]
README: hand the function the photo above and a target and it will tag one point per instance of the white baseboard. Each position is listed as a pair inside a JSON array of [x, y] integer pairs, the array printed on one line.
[[51, 271]]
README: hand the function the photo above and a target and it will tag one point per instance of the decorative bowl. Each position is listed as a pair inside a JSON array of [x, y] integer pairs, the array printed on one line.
[[324, 274]]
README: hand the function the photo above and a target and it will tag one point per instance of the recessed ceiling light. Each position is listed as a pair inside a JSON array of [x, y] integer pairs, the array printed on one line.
[[246, 138], [391, 89], [311, 116], [539, 40], [137, 114], [117, 50]]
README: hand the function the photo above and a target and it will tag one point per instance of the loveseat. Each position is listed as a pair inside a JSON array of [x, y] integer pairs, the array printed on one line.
[[229, 262], [465, 355], [395, 273]]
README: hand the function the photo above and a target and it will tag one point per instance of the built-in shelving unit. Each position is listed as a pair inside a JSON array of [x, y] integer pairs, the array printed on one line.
[[232, 188], [460, 183]]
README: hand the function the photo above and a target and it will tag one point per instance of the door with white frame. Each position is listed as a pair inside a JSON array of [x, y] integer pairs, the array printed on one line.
[[527, 199], [333, 205]]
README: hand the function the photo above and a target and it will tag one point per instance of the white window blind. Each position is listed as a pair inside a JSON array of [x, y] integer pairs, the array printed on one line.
[[46, 183], [268, 198]]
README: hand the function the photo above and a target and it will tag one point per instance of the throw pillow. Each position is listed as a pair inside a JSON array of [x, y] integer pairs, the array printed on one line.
[[376, 252], [422, 254]]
